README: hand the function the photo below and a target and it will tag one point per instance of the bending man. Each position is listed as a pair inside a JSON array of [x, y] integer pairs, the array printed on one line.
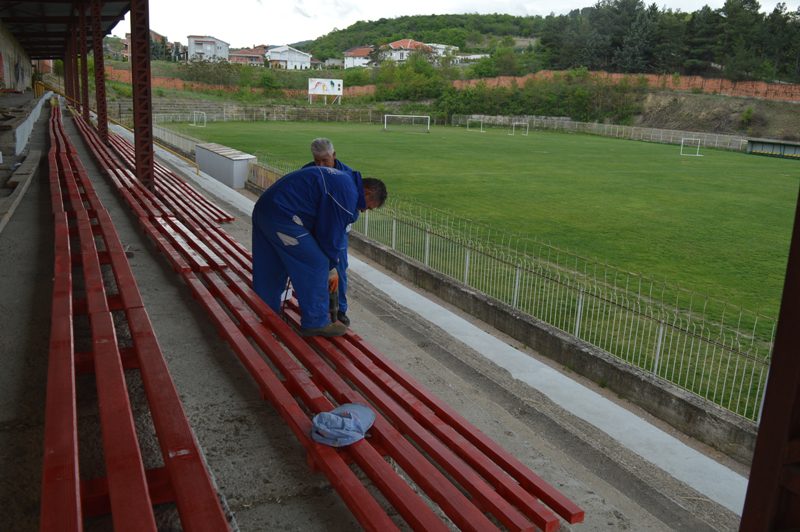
[[298, 232], [324, 155]]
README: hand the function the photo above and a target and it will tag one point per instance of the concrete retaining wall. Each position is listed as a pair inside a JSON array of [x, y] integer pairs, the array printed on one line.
[[692, 415], [23, 131]]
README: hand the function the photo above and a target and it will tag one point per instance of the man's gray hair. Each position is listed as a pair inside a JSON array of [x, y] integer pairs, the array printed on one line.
[[322, 146]]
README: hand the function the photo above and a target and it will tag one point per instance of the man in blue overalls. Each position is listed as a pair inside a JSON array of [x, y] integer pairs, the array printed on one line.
[[299, 228], [325, 155]]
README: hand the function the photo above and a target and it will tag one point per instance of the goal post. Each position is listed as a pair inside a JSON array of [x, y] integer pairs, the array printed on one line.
[[422, 122], [690, 147], [471, 125], [198, 119], [523, 128]]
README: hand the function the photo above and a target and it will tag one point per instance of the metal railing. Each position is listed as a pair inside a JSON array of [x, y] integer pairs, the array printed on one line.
[[647, 134], [711, 349]]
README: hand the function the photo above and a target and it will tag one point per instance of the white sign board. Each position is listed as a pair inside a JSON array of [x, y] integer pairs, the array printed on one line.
[[325, 87]]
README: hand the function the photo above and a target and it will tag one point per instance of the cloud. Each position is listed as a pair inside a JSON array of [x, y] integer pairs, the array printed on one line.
[[299, 10]]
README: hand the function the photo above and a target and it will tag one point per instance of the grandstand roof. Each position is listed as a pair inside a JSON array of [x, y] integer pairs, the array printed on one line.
[[43, 27]]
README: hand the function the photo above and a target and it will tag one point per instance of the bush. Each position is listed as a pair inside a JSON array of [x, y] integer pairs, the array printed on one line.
[[575, 94], [746, 118]]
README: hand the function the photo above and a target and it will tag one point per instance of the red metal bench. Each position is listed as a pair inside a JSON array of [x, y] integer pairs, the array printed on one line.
[[470, 478], [127, 492]]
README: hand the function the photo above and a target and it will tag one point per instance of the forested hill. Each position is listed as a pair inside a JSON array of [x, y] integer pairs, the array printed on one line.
[[469, 32], [736, 41]]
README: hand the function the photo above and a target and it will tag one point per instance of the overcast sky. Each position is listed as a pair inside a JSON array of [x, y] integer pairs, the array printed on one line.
[[243, 23]]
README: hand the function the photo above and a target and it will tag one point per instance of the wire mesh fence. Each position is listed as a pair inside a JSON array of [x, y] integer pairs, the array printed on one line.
[[704, 346], [647, 134]]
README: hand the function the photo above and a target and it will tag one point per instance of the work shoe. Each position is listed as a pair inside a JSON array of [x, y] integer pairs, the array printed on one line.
[[341, 316], [331, 329]]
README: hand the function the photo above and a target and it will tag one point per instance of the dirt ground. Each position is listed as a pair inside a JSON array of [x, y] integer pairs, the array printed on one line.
[[721, 114]]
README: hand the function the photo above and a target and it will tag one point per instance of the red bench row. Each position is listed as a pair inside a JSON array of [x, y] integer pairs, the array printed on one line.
[[471, 479], [88, 253]]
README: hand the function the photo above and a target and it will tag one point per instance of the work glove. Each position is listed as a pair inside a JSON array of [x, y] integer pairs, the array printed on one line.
[[333, 280]]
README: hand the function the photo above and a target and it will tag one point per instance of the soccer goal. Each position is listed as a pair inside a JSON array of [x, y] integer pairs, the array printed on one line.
[[198, 119], [522, 127], [475, 124], [415, 122], [690, 147]]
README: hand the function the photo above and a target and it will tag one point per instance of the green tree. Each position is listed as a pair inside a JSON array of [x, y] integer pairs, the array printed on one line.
[[505, 61], [668, 41], [701, 37]]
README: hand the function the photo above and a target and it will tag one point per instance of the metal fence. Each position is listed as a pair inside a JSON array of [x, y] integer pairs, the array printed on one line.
[[701, 345], [183, 112], [647, 134]]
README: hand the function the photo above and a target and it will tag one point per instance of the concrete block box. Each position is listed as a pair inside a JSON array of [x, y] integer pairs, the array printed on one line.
[[226, 165]]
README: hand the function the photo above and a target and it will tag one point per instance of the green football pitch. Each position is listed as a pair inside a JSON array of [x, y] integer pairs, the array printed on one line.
[[719, 224]]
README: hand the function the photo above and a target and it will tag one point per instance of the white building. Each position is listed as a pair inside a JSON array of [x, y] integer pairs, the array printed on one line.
[[288, 58], [441, 50], [357, 57], [470, 58], [206, 48], [400, 50]]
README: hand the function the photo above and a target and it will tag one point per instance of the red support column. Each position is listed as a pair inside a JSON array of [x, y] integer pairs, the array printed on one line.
[[74, 68], [67, 78], [99, 72], [84, 56], [773, 493], [140, 75], [68, 70]]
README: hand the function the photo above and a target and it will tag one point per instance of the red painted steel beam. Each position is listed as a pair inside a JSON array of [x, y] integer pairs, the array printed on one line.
[[142, 103], [84, 56], [413, 395], [130, 501], [61, 496], [96, 500], [99, 71], [484, 496], [458, 507], [363, 505], [194, 493], [357, 367], [169, 183], [413, 509], [773, 492]]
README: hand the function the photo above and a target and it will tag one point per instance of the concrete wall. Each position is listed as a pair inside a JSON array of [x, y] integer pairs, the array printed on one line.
[[23, 131], [15, 65], [692, 415]]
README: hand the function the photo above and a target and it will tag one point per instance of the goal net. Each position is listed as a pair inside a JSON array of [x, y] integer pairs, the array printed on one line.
[[690, 147], [198, 119], [519, 127], [409, 122], [475, 124]]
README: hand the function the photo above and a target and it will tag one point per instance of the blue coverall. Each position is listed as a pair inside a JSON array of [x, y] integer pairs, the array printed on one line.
[[299, 231], [342, 265]]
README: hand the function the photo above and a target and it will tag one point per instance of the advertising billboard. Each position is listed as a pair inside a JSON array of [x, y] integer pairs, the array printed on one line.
[[325, 87]]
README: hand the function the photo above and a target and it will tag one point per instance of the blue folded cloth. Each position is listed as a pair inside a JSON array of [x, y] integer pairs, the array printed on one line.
[[344, 425]]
